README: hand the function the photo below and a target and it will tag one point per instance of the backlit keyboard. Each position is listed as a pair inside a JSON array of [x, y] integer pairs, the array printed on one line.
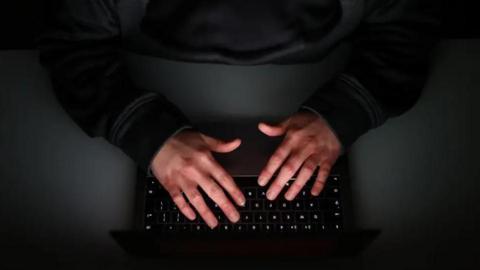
[[305, 214]]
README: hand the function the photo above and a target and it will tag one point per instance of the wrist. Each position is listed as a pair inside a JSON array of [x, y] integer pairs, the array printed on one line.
[[308, 109]]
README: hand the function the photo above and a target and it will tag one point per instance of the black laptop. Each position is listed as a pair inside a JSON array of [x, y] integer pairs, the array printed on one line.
[[226, 102], [306, 226]]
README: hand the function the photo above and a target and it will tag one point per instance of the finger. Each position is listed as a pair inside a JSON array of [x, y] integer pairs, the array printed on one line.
[[274, 163], [226, 181], [289, 168], [273, 130], [220, 146], [181, 203], [216, 193], [197, 201], [322, 175], [303, 176]]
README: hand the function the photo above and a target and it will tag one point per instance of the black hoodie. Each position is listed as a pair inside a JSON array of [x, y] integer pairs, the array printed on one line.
[[391, 39]]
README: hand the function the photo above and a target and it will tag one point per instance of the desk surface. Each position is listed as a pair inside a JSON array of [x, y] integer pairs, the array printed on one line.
[[416, 177]]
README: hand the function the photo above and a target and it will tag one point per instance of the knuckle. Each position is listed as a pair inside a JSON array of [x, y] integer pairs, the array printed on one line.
[[195, 197], [214, 191], [268, 171], [320, 181], [277, 158], [180, 203], [276, 186], [223, 204], [204, 211], [310, 166], [294, 135], [204, 156], [188, 168], [226, 180], [296, 186], [289, 167]]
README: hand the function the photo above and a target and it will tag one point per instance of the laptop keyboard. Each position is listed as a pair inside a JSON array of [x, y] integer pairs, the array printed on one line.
[[305, 214]]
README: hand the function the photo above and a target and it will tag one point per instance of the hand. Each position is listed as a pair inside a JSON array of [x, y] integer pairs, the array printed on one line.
[[309, 142], [185, 162]]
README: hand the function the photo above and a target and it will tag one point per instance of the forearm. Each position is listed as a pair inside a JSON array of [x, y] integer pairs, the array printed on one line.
[[81, 52], [387, 70]]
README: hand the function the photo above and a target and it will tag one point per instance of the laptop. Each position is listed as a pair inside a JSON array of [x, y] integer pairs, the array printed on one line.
[[307, 226]]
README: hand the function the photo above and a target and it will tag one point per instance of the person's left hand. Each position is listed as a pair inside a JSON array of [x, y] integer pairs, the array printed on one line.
[[309, 142]]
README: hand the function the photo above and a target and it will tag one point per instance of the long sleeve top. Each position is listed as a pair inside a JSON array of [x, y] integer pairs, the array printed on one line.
[[391, 41]]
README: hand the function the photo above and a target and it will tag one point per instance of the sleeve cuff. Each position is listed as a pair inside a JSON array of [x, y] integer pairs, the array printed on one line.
[[347, 112], [149, 169], [143, 127], [307, 108]]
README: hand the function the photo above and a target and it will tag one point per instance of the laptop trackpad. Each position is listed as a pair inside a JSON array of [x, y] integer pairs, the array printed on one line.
[[254, 152]]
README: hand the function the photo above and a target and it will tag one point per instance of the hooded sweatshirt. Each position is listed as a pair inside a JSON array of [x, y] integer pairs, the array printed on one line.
[[391, 44]]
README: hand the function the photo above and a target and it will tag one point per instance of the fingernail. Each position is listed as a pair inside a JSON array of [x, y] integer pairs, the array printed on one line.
[[315, 193], [235, 217], [191, 214], [289, 196], [260, 181], [213, 224], [270, 195], [242, 202]]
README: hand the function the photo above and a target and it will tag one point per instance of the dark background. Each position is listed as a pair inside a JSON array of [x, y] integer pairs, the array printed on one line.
[[454, 233], [20, 21]]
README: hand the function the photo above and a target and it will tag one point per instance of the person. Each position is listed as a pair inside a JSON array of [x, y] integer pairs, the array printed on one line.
[[391, 43]]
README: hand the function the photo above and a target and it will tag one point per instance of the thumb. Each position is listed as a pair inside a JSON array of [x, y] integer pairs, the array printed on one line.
[[273, 130], [220, 146]]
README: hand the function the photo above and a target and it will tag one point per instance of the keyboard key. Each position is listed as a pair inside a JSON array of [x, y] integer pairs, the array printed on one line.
[[185, 228], [177, 217], [239, 228], [284, 205], [332, 192], [170, 228], [316, 217], [253, 227], [225, 227], [221, 218], [151, 192], [270, 206], [305, 228], [310, 205], [280, 228], [336, 203], [334, 179], [288, 217], [298, 205], [332, 227], [274, 217], [261, 194], [250, 193], [267, 228], [301, 217], [333, 216], [256, 205], [246, 217], [292, 228], [260, 217], [200, 228], [163, 217]]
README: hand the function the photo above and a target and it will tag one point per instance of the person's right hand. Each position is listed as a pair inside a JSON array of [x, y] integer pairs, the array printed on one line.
[[185, 162]]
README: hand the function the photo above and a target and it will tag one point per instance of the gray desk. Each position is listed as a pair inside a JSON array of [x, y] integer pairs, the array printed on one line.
[[416, 177]]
